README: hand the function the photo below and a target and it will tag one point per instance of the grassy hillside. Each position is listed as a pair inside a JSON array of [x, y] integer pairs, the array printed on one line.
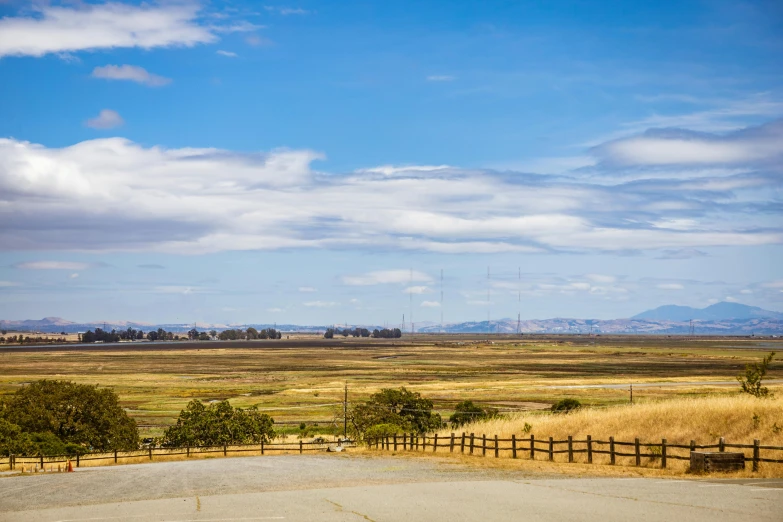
[[739, 419]]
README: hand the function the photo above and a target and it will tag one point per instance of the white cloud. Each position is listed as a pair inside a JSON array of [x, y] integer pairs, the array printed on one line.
[[441, 78], [354, 301], [430, 304], [287, 11], [106, 119], [746, 291], [321, 304], [600, 278], [74, 275], [63, 29], [113, 194], [679, 147], [416, 290], [131, 73], [229, 54], [380, 277], [307, 289], [670, 286], [53, 265]]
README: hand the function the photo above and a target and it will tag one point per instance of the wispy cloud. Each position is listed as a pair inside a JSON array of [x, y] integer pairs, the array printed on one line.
[[228, 54], [670, 286], [441, 78], [259, 41], [380, 277], [54, 265], [130, 73], [106, 119], [62, 29], [307, 289], [321, 304], [287, 11], [416, 290]]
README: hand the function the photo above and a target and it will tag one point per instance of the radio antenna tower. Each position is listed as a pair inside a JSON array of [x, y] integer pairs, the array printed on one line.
[[410, 294], [441, 300]]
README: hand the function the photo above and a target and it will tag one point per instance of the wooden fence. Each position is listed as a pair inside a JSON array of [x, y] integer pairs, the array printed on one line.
[[14, 462], [661, 452]]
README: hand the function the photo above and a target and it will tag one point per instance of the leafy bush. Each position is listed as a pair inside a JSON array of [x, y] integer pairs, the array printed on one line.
[[566, 405], [73, 413], [467, 412], [219, 424], [754, 373], [380, 431], [398, 407]]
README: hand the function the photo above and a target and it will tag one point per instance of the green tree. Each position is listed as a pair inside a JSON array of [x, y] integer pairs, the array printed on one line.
[[218, 424], [754, 373], [398, 407], [74, 413], [466, 412]]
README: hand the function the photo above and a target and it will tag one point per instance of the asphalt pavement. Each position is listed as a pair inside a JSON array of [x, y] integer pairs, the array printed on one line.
[[351, 487]]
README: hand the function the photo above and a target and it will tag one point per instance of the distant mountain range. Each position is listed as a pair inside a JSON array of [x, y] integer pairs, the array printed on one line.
[[719, 319]]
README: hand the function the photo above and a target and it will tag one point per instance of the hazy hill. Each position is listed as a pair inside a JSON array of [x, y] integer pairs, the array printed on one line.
[[723, 311]]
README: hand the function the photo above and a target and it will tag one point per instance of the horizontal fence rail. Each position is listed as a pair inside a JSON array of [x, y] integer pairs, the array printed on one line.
[[655, 452], [33, 462]]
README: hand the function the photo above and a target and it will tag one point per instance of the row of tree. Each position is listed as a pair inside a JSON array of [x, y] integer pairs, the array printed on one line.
[[386, 333], [21, 339]]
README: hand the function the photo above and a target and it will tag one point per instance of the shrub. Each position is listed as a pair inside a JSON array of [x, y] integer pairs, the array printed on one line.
[[566, 405], [751, 382], [467, 412], [380, 431], [407, 410], [218, 424]]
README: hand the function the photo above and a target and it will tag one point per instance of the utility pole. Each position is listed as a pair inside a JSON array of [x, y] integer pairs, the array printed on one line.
[[345, 412], [632, 394]]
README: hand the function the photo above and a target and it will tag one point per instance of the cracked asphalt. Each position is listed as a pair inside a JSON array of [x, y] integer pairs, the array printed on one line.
[[354, 487]]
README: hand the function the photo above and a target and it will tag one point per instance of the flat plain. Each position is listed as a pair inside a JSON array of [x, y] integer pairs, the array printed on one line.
[[302, 380]]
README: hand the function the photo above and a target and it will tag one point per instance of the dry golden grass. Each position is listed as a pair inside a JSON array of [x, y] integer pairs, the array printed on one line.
[[738, 418]]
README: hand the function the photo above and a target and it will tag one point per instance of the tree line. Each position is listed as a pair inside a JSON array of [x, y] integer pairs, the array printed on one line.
[[160, 334], [386, 333]]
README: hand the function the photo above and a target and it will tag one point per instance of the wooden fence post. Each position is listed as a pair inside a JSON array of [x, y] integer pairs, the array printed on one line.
[[471, 443], [611, 451], [638, 452], [451, 444], [435, 444], [484, 445], [551, 449], [77, 460], [663, 453], [532, 447], [693, 446], [404, 441], [300, 447], [395, 442], [589, 449], [756, 454], [115, 456], [497, 454], [722, 445], [150, 452], [424, 442], [513, 446], [11, 462], [570, 448], [262, 447], [462, 444], [188, 450], [41, 461], [225, 450]]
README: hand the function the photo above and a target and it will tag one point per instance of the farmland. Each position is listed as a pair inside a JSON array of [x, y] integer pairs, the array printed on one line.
[[302, 380]]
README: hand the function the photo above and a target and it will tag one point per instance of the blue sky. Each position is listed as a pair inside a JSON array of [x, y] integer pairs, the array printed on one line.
[[294, 162]]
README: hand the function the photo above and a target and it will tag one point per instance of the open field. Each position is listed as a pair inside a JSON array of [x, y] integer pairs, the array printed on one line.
[[302, 379]]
